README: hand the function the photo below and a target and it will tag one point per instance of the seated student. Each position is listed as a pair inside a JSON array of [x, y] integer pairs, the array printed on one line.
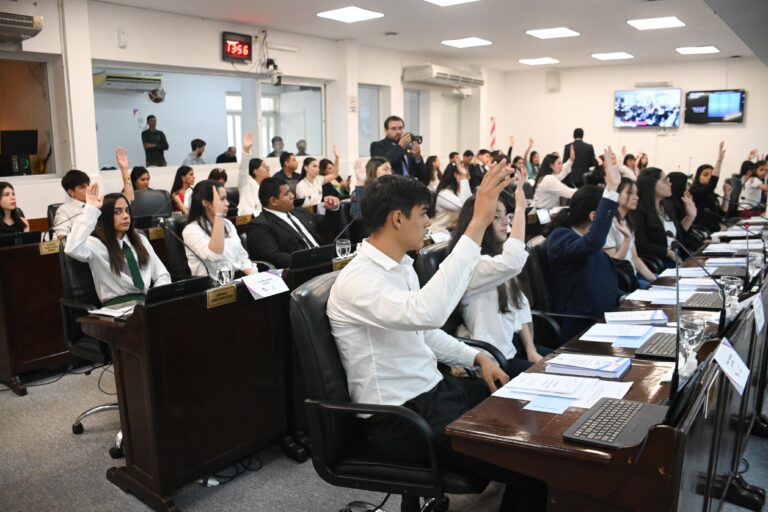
[[310, 188], [252, 172], [333, 184], [549, 186], [75, 183], [709, 214], [752, 188], [433, 171], [140, 178], [620, 243], [218, 175], [210, 236], [13, 217], [532, 162], [280, 230], [452, 193], [653, 220], [453, 159], [122, 261], [374, 168], [227, 157], [387, 330], [287, 172], [582, 278], [181, 190], [494, 308], [629, 167], [196, 156]]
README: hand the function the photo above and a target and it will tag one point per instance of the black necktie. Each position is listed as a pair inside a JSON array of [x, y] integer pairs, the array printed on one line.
[[306, 240]]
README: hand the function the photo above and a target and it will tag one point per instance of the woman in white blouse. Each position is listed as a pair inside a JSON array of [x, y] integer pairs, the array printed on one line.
[[310, 188], [452, 193], [211, 237], [252, 172], [549, 187], [122, 261], [494, 308]]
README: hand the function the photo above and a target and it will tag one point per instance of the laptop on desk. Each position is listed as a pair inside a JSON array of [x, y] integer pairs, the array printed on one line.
[[310, 257], [29, 237], [178, 289]]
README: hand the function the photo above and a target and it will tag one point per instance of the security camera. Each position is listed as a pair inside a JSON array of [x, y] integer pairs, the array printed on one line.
[[277, 78]]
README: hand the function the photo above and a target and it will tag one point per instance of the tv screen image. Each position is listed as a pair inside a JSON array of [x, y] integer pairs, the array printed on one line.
[[645, 108], [702, 107]]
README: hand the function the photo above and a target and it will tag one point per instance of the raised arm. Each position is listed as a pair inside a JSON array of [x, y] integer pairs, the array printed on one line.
[[528, 149], [83, 226], [122, 162]]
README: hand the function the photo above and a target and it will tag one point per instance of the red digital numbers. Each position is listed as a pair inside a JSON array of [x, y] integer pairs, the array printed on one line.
[[237, 49]]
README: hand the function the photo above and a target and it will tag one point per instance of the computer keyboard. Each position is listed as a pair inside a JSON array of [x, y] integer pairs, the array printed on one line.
[[730, 271], [605, 423], [704, 300], [659, 346]]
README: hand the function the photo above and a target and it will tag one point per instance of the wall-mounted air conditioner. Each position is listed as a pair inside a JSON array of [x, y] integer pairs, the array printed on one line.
[[17, 27], [441, 75], [126, 82]]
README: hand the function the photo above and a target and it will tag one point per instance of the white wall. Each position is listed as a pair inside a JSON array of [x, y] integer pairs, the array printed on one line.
[[585, 100]]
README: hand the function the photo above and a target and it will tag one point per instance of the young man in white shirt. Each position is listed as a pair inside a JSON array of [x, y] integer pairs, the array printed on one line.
[[75, 184], [388, 333]]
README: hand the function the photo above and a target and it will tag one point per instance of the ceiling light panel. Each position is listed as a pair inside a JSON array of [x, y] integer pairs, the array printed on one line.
[[697, 50], [552, 33], [467, 42], [448, 3], [656, 23], [612, 56], [539, 62], [350, 14]]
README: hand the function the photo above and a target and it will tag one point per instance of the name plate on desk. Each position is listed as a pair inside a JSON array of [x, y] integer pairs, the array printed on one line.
[[732, 365], [220, 296], [50, 247], [340, 263], [243, 219], [156, 233]]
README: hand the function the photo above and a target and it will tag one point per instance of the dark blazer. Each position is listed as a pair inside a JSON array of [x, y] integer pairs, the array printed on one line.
[[650, 235], [270, 239], [582, 277], [476, 173], [393, 152], [585, 158], [709, 214]]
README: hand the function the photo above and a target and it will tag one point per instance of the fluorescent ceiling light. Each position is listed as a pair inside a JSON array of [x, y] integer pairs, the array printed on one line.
[[655, 23], [448, 3], [552, 33], [539, 62], [467, 42], [697, 50], [350, 14], [612, 56]]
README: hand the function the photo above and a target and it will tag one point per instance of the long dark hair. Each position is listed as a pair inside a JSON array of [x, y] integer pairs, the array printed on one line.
[[545, 169], [625, 183], [304, 165], [449, 180], [701, 169], [136, 173], [18, 224], [432, 169], [646, 191], [105, 231], [197, 213], [584, 201], [491, 246], [178, 179]]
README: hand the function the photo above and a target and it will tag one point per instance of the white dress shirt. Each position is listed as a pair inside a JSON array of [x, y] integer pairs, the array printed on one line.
[[448, 206], [312, 193], [89, 249], [248, 188], [614, 241], [198, 241], [480, 302], [551, 188], [751, 193], [627, 172], [387, 329], [66, 215], [285, 218]]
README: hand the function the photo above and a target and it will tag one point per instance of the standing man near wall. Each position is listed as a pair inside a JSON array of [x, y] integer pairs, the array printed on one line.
[[585, 158], [155, 143], [394, 147]]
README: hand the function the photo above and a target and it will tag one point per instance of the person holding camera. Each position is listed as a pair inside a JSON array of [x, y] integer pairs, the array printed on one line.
[[403, 150]]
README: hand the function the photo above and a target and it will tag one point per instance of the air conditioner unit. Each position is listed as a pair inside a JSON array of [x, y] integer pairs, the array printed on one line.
[[440, 75], [125, 82], [17, 27]]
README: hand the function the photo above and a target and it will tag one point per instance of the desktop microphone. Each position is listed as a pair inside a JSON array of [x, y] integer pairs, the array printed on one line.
[[163, 225], [344, 230], [676, 244], [50, 228], [747, 282], [675, 381]]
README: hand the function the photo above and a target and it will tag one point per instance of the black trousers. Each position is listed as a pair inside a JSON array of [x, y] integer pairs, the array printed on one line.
[[520, 363], [451, 398]]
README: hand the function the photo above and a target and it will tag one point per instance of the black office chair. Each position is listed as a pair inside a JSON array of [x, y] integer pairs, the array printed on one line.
[[152, 204], [341, 454], [233, 198], [176, 253], [51, 214], [80, 297]]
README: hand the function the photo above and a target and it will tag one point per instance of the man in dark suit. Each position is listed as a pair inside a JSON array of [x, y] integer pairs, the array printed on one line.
[[280, 230], [394, 147], [585, 158], [478, 170]]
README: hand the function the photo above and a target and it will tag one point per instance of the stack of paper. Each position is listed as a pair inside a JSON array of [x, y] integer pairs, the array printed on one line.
[[639, 317], [753, 220], [118, 311], [555, 393], [722, 248], [636, 343], [686, 272], [659, 295], [738, 261], [694, 283], [737, 233], [586, 365], [621, 334]]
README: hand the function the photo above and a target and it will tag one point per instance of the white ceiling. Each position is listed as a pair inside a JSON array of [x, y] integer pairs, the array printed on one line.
[[421, 26]]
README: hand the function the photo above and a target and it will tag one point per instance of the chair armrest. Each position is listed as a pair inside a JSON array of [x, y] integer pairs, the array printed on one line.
[[484, 345], [654, 264], [549, 322], [316, 408], [76, 305], [264, 263]]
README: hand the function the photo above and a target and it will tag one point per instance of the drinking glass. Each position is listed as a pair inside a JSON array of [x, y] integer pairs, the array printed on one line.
[[224, 274], [691, 328], [343, 248], [732, 285], [754, 262]]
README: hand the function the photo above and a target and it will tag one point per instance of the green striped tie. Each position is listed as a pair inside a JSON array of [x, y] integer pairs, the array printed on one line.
[[138, 282]]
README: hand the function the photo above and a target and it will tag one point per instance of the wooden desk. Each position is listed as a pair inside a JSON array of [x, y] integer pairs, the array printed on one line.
[[31, 330], [198, 389]]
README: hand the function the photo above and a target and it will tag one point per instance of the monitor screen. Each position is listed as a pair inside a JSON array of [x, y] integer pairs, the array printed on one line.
[[18, 142], [702, 107], [641, 108]]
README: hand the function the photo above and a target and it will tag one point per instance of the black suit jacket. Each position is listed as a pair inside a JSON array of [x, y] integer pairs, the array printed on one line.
[[476, 173], [271, 239], [585, 158], [393, 152]]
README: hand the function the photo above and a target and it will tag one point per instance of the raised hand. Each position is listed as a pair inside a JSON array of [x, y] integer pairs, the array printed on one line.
[[721, 151], [359, 169], [530, 142], [519, 180], [331, 202], [122, 157], [462, 170], [690, 206], [612, 173], [247, 142], [512, 140], [216, 203], [752, 154], [92, 196], [623, 228], [336, 154], [572, 154], [487, 194]]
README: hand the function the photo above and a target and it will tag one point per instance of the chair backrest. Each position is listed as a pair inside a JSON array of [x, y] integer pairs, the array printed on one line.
[[177, 257], [233, 197], [152, 203], [533, 278], [52, 209], [321, 366], [428, 260]]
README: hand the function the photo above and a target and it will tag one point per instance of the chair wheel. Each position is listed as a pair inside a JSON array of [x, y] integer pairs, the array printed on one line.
[[116, 453], [437, 505], [77, 429]]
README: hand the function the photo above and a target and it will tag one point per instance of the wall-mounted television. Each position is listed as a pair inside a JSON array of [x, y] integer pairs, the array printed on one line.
[[647, 108], [702, 107]]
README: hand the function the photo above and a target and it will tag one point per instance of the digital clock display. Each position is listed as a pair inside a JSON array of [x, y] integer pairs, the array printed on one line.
[[237, 47]]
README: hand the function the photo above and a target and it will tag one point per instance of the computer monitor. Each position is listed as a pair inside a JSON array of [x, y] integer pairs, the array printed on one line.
[[177, 289], [152, 204], [314, 256], [18, 142], [30, 237]]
